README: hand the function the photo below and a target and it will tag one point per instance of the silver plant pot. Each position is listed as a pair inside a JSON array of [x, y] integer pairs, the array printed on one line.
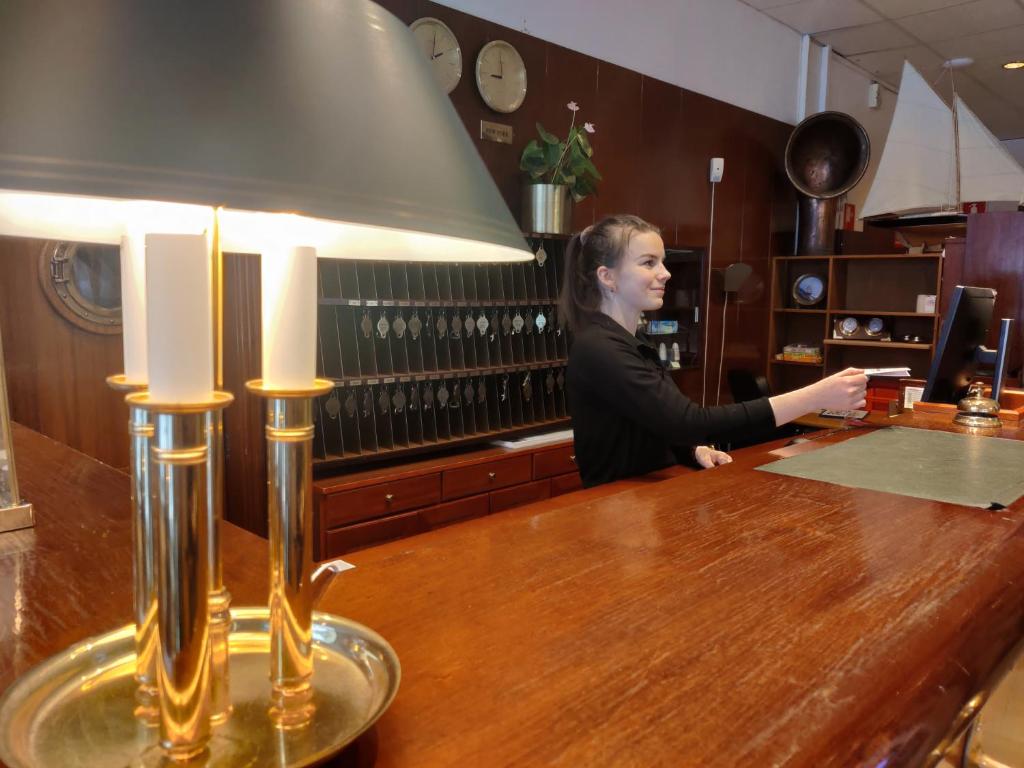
[[547, 208]]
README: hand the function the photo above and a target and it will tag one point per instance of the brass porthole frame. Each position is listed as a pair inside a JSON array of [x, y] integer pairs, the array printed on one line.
[[54, 264]]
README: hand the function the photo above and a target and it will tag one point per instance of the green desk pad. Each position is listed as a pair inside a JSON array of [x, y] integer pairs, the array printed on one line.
[[943, 466]]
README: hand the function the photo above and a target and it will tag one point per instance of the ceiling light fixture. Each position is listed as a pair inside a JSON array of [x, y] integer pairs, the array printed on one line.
[[960, 62], [1014, 65]]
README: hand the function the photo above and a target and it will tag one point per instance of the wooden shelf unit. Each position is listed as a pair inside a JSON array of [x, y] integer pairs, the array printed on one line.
[[877, 285], [433, 356], [875, 344]]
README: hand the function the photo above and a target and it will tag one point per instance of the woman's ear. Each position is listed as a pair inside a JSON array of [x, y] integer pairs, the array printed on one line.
[[606, 278]]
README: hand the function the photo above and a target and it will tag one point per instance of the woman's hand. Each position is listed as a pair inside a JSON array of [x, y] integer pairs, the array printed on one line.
[[708, 457], [843, 391]]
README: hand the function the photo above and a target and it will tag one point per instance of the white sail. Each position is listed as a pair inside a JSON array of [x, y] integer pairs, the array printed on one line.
[[917, 171], [987, 169]]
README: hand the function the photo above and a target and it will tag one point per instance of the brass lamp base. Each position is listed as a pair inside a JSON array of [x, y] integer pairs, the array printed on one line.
[[75, 709]]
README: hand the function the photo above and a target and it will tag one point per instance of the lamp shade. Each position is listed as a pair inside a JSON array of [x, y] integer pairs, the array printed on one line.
[[321, 109]]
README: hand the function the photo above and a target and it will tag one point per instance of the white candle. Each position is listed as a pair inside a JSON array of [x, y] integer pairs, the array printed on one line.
[[288, 282], [179, 318], [133, 307]]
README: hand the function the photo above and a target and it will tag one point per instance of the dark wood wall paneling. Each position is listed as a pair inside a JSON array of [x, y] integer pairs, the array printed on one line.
[[994, 258], [56, 371], [245, 455]]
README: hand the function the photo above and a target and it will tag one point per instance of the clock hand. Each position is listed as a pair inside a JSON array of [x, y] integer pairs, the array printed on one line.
[[433, 46]]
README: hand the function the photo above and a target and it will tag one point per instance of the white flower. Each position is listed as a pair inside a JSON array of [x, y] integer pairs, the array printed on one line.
[[588, 127], [573, 106]]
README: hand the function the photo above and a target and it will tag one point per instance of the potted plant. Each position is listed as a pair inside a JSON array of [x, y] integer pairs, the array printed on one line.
[[560, 173]]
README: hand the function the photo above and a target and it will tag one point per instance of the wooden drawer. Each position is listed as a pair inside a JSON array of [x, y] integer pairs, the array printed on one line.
[[521, 494], [486, 476], [463, 509], [566, 483], [557, 461], [342, 540], [372, 501]]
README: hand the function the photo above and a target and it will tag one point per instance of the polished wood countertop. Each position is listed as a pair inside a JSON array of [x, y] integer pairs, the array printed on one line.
[[70, 576], [725, 617]]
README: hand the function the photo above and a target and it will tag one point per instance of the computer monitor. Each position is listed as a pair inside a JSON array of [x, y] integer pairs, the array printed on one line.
[[961, 346]]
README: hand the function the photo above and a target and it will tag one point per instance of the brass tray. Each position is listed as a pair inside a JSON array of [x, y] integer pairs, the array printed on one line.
[[75, 709]]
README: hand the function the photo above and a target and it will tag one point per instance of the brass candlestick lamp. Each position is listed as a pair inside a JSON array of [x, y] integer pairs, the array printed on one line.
[[123, 144]]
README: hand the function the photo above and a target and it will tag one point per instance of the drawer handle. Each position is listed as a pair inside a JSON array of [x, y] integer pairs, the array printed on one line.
[[572, 457], [492, 475], [388, 497]]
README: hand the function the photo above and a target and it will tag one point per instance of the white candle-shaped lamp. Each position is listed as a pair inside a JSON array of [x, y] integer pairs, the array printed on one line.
[[179, 318], [288, 282], [133, 307]]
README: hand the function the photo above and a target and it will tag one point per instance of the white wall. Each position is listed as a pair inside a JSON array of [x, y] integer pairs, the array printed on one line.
[[720, 48], [848, 92]]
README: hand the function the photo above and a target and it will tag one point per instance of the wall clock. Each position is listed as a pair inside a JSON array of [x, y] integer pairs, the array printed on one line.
[[442, 50], [501, 76]]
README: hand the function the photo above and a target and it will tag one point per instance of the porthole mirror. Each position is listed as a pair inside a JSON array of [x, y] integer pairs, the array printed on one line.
[[83, 283]]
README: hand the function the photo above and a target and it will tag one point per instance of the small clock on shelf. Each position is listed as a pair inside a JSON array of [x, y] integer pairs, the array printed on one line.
[[874, 329], [442, 50], [808, 290], [501, 76]]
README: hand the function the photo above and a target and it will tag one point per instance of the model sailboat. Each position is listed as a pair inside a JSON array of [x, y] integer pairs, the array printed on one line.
[[935, 158]]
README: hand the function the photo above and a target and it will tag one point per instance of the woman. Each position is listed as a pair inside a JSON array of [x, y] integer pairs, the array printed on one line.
[[628, 416]]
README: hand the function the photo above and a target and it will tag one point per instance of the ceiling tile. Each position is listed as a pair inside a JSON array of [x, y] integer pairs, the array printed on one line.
[[762, 4], [1004, 84], [888, 65], [894, 9], [1003, 42], [880, 36], [966, 19], [810, 16]]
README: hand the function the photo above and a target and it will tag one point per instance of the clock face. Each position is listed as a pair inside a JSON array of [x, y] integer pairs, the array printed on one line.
[[849, 326], [501, 76], [875, 326], [441, 49], [808, 290]]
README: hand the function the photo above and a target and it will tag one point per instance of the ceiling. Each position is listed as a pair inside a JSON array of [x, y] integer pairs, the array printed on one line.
[[878, 34]]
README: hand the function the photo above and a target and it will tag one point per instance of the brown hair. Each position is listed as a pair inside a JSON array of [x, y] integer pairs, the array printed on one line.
[[602, 244]]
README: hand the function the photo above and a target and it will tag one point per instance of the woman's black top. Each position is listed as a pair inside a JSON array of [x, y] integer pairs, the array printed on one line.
[[628, 416]]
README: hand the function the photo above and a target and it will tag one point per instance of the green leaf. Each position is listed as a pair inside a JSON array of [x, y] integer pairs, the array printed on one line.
[[552, 153], [588, 167], [549, 138], [532, 158], [582, 188], [585, 144]]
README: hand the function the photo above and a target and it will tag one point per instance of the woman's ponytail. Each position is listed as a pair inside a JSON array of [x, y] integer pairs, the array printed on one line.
[[571, 303]]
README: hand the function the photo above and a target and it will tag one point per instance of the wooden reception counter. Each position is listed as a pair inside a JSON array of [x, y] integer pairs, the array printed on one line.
[[726, 617]]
